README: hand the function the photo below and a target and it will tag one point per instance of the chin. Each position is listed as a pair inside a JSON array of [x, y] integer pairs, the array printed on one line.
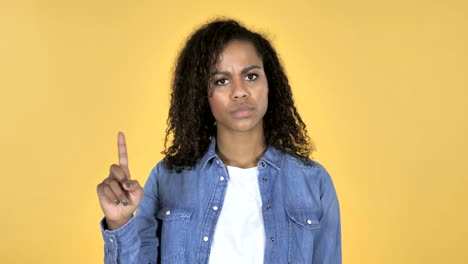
[[241, 125], [245, 127]]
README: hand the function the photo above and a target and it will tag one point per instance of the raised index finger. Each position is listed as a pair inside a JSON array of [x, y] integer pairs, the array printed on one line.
[[123, 158]]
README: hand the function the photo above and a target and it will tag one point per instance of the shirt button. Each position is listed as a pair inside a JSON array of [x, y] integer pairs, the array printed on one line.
[[268, 207], [111, 240], [309, 221], [263, 164], [264, 179], [272, 239], [221, 178], [215, 208], [205, 238], [217, 162], [168, 212]]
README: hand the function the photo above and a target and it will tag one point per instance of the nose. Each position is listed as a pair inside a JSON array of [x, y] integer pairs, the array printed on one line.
[[239, 90]]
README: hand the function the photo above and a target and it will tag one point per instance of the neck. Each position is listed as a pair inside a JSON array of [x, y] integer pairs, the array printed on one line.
[[242, 150]]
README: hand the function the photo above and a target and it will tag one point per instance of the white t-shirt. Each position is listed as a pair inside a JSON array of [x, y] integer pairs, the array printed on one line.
[[239, 234]]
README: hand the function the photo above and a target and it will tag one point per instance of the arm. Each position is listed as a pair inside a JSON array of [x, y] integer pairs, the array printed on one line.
[[328, 248], [136, 241]]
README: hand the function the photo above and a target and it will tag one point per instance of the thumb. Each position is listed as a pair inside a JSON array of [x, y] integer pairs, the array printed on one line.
[[133, 188]]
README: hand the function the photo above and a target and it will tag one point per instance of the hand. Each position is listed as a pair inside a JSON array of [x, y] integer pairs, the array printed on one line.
[[118, 195]]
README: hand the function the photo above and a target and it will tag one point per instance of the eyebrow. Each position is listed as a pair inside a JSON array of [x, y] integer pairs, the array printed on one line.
[[245, 70]]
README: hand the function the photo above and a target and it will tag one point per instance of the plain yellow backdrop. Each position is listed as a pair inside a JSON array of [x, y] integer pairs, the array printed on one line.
[[382, 86]]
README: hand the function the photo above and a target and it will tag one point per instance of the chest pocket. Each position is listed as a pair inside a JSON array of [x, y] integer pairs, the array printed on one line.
[[174, 227], [304, 229]]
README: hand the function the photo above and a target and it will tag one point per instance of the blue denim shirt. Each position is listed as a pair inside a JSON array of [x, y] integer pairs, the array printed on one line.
[[175, 221]]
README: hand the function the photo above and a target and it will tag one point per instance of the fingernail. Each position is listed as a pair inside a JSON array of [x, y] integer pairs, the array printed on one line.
[[125, 202], [116, 202], [128, 184]]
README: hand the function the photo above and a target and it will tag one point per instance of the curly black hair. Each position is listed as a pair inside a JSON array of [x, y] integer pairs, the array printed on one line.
[[191, 124]]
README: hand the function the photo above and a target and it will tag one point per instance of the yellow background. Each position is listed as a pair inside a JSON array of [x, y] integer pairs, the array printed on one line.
[[382, 86]]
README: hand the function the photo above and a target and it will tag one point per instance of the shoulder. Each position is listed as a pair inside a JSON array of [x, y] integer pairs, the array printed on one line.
[[306, 164], [308, 167], [161, 170]]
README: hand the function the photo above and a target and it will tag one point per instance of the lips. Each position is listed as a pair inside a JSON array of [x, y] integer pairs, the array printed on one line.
[[242, 111]]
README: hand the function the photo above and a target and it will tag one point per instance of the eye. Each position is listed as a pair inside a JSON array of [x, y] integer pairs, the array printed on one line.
[[251, 77], [221, 82]]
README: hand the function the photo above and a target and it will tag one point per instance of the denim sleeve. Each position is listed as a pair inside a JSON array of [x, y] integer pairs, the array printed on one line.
[[136, 241], [120, 245], [328, 248]]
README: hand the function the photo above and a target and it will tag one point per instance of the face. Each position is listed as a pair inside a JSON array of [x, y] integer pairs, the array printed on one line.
[[238, 89]]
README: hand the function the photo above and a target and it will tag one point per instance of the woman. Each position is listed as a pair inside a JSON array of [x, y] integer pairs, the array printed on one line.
[[236, 184]]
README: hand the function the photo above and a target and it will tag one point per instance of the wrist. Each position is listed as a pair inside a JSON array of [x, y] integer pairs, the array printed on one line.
[[116, 224]]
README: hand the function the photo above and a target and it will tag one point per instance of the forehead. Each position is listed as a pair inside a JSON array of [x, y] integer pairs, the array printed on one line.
[[239, 52]]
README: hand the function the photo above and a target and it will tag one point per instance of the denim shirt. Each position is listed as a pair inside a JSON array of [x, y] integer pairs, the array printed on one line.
[[176, 219]]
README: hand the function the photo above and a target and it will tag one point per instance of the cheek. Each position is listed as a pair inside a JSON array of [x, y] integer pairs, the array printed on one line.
[[216, 105], [264, 97]]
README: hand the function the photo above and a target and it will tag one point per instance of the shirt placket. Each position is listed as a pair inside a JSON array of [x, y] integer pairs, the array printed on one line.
[[265, 181], [213, 210]]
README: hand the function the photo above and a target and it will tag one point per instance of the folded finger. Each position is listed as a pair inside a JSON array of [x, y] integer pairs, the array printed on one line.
[[105, 192], [116, 188]]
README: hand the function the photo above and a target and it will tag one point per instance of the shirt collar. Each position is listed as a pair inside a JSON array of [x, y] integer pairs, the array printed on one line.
[[210, 153], [272, 155]]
